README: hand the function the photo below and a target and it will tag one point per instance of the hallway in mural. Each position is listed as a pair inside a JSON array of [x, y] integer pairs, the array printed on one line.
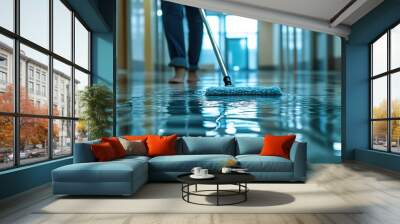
[[305, 64]]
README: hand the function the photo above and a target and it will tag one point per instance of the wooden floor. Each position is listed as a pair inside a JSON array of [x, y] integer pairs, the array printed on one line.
[[377, 188]]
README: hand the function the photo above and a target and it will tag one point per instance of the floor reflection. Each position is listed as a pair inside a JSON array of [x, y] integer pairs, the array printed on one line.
[[310, 108]]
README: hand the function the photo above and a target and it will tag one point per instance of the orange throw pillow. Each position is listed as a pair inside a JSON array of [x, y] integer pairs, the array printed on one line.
[[103, 152], [277, 145], [161, 145], [116, 145], [135, 138]]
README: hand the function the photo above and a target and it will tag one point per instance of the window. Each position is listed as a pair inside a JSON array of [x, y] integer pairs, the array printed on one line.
[[44, 91], [62, 137], [37, 75], [46, 75], [6, 73], [3, 61], [7, 14], [3, 78], [62, 30], [6, 142], [81, 81], [33, 140], [30, 88], [37, 89], [30, 72], [81, 45], [395, 47], [35, 21], [385, 94], [62, 74]]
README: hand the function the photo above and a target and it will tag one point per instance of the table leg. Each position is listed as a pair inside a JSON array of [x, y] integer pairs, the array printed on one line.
[[188, 189], [245, 193], [196, 187], [217, 194]]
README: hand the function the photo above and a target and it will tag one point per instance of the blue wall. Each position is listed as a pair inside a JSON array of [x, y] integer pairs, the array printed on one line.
[[24, 178], [102, 58], [99, 15], [356, 85]]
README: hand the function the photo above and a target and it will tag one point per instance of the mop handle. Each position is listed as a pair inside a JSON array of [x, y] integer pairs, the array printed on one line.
[[217, 52]]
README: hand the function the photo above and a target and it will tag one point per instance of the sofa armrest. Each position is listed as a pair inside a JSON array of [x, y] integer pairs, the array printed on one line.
[[298, 155], [83, 152]]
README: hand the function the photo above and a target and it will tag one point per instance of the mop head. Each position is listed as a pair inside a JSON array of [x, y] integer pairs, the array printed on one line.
[[243, 91]]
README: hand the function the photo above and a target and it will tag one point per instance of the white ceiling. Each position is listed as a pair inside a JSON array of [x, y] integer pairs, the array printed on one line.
[[316, 15]]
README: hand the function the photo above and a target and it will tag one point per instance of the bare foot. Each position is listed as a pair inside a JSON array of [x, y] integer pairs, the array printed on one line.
[[179, 75], [193, 77], [176, 80]]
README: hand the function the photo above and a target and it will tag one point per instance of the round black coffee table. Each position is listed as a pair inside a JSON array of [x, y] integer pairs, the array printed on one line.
[[238, 179]]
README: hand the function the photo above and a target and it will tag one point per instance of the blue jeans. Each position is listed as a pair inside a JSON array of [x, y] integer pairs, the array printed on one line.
[[172, 18]]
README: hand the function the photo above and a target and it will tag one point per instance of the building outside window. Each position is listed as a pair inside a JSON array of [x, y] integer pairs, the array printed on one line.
[[43, 90], [3, 78], [38, 89], [3, 60], [30, 72], [30, 87], [34, 77]]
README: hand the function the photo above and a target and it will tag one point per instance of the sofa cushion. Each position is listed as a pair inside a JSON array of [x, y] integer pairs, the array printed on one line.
[[249, 145], [161, 145], [136, 147], [112, 171], [208, 145], [103, 152], [133, 158], [135, 137], [257, 163], [278, 145], [185, 163], [116, 145]]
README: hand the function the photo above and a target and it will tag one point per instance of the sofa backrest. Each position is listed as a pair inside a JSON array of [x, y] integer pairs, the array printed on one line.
[[193, 145], [207, 145], [253, 145], [83, 152], [249, 145]]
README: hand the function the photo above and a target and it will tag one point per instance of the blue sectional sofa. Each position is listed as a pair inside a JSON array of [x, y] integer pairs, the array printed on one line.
[[125, 176]]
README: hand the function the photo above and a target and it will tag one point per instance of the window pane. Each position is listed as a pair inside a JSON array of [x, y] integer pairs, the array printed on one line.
[[62, 29], [395, 94], [81, 131], [7, 14], [33, 139], [62, 138], [34, 97], [395, 47], [62, 89], [379, 100], [6, 142], [379, 55], [81, 81], [379, 135], [81, 45], [35, 21], [6, 74], [395, 136]]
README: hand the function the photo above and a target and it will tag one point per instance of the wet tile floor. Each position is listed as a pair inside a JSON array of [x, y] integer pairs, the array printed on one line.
[[309, 108]]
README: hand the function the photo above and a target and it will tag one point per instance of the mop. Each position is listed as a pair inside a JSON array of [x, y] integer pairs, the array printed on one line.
[[229, 89]]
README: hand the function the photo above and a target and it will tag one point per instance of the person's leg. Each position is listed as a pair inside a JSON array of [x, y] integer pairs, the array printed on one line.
[[195, 24], [173, 28]]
